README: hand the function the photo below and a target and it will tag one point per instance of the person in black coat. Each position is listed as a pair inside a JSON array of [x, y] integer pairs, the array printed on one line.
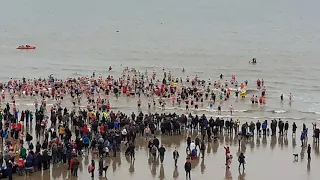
[[31, 146], [156, 142], [187, 168], [10, 167], [241, 160], [44, 159], [188, 143], [38, 147], [28, 138], [309, 152], [100, 166], [39, 161]]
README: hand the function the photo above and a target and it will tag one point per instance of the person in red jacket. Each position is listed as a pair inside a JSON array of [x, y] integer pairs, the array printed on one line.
[[19, 126], [85, 130], [101, 129], [20, 166]]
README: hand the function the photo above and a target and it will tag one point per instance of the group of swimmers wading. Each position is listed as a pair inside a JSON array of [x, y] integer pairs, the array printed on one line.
[[192, 93]]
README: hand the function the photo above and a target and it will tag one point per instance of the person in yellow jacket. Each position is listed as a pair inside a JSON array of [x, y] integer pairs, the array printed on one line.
[[61, 131]]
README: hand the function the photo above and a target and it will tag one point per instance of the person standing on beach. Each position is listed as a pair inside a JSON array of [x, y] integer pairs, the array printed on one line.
[[100, 166], [230, 109], [9, 170], [239, 139], [202, 148], [302, 137], [154, 152], [294, 128], [241, 160], [197, 142], [175, 156], [91, 168], [219, 109], [75, 167], [309, 152], [161, 150], [188, 143], [139, 104], [187, 168]]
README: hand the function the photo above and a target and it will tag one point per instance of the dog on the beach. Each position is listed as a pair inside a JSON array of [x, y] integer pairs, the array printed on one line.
[[295, 157]]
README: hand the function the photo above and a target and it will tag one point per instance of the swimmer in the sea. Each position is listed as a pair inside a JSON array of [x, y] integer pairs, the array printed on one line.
[[254, 60], [281, 97], [290, 97], [183, 70], [221, 76]]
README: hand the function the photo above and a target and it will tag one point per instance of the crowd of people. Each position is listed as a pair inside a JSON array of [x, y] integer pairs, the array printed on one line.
[[65, 134]]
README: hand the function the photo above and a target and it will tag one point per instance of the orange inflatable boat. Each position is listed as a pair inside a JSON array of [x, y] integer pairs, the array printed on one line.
[[26, 47]]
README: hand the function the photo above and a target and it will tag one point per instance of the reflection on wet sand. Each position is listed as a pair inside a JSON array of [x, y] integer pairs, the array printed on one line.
[[264, 153]]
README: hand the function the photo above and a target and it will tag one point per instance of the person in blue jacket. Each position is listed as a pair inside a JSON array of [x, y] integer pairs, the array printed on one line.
[[86, 142], [264, 127], [29, 163], [305, 132], [116, 124], [302, 137]]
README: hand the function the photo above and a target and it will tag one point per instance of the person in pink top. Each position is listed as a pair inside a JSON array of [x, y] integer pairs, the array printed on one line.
[[231, 109]]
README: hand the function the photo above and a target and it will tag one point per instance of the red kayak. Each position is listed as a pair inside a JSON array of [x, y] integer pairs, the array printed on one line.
[[26, 47]]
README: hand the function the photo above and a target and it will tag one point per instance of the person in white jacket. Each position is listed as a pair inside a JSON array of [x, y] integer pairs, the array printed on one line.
[[192, 145], [124, 134]]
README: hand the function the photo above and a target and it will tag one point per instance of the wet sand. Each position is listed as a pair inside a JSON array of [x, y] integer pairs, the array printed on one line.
[[267, 158]]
